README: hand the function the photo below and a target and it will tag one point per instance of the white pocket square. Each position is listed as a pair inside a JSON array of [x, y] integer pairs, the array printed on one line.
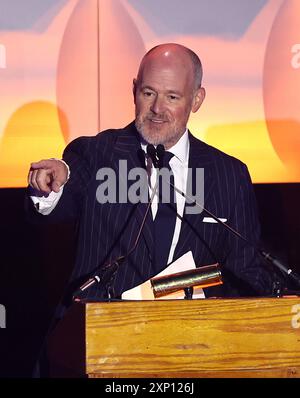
[[212, 220]]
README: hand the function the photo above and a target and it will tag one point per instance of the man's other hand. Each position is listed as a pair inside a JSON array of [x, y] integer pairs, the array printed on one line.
[[47, 175]]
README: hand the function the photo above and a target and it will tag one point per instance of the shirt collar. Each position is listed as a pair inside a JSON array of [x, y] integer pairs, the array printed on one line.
[[180, 149]]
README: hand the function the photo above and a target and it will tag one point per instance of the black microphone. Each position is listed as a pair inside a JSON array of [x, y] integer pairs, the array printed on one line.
[[151, 152], [156, 155], [267, 256], [160, 151], [108, 271]]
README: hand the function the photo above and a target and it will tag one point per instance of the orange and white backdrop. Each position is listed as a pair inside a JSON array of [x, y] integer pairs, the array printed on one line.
[[66, 70]]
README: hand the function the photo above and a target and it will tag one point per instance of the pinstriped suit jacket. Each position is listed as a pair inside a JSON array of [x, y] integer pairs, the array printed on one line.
[[107, 231]]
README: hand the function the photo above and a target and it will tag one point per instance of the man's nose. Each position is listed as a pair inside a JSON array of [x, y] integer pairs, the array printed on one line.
[[157, 105]]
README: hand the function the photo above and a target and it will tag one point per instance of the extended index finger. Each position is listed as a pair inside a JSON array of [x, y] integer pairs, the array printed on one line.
[[42, 164]]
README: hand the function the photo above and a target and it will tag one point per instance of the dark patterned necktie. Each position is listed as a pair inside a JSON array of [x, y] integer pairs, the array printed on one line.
[[165, 219]]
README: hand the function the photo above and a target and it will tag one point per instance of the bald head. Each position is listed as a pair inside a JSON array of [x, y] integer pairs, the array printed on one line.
[[167, 89], [175, 54]]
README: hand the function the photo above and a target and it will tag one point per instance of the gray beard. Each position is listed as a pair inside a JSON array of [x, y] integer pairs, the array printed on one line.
[[156, 139]]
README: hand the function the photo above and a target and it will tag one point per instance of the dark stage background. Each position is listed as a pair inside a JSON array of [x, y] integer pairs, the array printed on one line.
[[36, 262]]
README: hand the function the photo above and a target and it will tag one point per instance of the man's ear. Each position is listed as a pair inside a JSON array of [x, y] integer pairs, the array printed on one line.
[[134, 83], [198, 99]]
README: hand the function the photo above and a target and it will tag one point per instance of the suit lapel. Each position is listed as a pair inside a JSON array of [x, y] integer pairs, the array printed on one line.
[[199, 157], [127, 147]]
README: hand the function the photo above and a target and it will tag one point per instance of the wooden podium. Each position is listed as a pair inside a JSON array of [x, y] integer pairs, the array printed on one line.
[[257, 337]]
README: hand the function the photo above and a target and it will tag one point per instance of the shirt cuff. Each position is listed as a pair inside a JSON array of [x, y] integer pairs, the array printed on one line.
[[45, 204]]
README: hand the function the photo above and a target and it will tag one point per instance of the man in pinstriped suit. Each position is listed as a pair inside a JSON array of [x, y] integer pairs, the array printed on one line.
[[167, 88]]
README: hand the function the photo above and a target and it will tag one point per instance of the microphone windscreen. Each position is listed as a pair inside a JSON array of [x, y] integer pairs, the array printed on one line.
[[151, 151], [160, 150]]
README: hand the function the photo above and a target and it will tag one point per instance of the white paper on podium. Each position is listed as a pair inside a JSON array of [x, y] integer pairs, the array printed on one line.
[[144, 291]]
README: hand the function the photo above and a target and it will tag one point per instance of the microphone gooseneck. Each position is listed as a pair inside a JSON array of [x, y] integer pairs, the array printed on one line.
[[267, 256], [158, 154], [108, 271]]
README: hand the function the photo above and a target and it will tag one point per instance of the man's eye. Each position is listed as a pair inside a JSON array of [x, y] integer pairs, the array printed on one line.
[[173, 97], [148, 93]]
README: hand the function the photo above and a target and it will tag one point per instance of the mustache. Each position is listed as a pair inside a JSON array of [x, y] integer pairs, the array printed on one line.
[[162, 117]]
